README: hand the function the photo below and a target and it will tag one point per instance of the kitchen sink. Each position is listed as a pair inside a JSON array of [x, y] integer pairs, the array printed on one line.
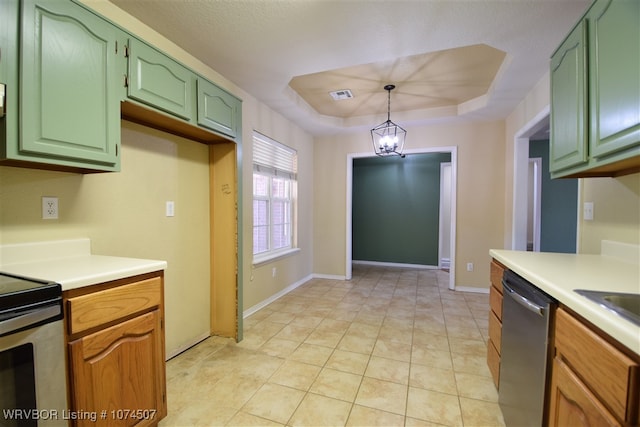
[[625, 305]]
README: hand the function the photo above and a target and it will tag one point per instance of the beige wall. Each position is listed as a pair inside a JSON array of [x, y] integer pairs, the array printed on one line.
[[616, 212], [480, 196], [124, 215], [259, 283]]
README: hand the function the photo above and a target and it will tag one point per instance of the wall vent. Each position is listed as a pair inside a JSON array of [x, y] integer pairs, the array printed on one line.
[[341, 94]]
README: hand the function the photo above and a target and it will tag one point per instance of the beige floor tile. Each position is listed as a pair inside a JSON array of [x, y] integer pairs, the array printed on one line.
[[348, 361], [386, 325], [243, 389], [336, 384], [361, 416], [392, 350], [429, 357], [466, 346], [430, 340], [333, 325], [274, 402], [364, 330], [205, 415], [471, 364], [430, 378], [305, 321], [480, 413], [370, 317], [320, 411], [296, 375], [294, 333], [312, 354], [324, 338], [476, 387], [242, 419], [278, 347], [356, 344], [383, 395], [434, 407], [414, 422], [388, 370]]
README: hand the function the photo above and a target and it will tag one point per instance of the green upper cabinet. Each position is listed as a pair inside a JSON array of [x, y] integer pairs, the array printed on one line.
[[614, 76], [159, 81], [568, 102], [217, 109], [8, 74], [69, 88], [595, 94]]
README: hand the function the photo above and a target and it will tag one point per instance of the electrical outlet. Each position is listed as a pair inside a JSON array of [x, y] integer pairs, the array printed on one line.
[[469, 266], [273, 272], [49, 208]]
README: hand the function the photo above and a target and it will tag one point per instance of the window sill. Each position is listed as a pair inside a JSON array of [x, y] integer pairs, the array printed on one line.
[[263, 259]]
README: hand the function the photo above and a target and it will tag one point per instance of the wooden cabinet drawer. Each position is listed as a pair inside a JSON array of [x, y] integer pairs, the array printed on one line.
[[605, 370], [493, 361], [496, 274], [97, 308], [495, 331], [495, 302]]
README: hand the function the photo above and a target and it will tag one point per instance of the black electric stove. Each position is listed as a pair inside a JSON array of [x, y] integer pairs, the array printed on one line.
[[21, 296]]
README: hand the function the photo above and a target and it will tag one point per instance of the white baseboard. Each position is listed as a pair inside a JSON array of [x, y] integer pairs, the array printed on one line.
[[248, 312], [395, 264], [472, 289], [328, 276], [445, 263]]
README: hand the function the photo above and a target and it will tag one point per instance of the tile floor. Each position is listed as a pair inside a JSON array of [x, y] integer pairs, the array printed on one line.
[[391, 347]]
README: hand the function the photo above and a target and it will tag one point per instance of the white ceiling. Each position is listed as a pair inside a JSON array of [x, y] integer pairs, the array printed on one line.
[[261, 45]]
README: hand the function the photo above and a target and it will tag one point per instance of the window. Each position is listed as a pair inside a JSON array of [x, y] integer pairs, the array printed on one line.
[[274, 188]]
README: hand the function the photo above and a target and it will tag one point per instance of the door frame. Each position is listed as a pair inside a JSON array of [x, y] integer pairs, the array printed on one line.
[[520, 179], [453, 150]]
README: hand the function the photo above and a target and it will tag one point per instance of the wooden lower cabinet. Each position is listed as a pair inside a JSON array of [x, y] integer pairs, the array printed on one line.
[[572, 403], [495, 321], [593, 383], [117, 369]]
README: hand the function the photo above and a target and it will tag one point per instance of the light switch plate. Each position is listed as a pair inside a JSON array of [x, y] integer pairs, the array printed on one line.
[[587, 212]]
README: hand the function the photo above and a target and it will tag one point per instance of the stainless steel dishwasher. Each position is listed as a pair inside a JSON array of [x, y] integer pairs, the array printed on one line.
[[527, 316]]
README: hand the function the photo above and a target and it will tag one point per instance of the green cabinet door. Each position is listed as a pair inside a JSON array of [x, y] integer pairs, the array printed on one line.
[[159, 81], [217, 109], [69, 106], [568, 102], [614, 75], [8, 75]]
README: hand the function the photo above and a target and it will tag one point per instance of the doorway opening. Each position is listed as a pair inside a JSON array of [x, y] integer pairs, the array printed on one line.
[[451, 197]]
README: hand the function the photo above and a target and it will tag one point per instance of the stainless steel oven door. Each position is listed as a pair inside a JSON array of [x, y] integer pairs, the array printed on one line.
[[32, 367]]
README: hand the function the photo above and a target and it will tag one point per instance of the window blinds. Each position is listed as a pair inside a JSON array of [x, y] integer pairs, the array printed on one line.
[[271, 157]]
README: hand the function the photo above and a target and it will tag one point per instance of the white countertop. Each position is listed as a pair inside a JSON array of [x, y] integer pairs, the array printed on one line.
[[559, 274], [71, 263]]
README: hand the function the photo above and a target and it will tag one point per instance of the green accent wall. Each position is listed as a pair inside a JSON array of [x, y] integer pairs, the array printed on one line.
[[395, 208], [558, 216]]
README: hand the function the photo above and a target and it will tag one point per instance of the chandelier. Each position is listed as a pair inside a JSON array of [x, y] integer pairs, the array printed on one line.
[[388, 137]]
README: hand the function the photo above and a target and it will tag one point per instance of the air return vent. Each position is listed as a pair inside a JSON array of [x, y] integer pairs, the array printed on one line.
[[341, 94]]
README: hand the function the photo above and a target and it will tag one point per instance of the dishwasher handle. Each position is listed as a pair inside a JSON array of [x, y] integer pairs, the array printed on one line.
[[523, 301]]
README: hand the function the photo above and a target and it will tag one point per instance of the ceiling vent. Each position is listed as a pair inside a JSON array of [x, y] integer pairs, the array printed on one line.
[[341, 94]]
